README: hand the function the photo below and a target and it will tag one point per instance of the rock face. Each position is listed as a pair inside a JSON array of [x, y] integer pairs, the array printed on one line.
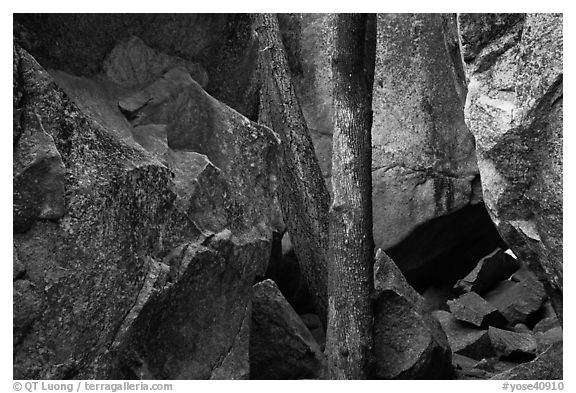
[[133, 63], [479, 30], [408, 343], [424, 162], [281, 346], [514, 110], [115, 277], [423, 155]]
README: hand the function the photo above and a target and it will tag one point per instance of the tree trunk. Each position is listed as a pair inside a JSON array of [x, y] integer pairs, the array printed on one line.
[[302, 192], [350, 273]]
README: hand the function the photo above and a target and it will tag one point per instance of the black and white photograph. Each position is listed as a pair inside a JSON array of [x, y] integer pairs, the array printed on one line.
[[287, 196]]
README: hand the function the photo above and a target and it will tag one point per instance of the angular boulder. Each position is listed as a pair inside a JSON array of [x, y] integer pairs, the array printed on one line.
[[471, 308], [517, 301], [512, 345], [123, 283], [133, 63], [281, 346], [408, 343], [221, 44], [465, 339], [490, 270], [515, 111]]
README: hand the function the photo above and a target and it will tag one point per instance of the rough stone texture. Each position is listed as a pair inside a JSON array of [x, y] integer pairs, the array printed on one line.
[[517, 301], [512, 344], [281, 346], [222, 44], [545, 339], [123, 283], [133, 63], [98, 99], [408, 344], [156, 92], [465, 339], [479, 30], [547, 366], [196, 122], [308, 40], [423, 154], [490, 270], [424, 162], [471, 308], [514, 110]]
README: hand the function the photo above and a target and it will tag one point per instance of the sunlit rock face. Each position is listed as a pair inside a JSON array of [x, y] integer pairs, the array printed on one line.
[[515, 111]]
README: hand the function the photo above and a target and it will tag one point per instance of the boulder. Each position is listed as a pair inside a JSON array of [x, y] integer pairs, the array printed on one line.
[[546, 338], [123, 283], [547, 366], [515, 111], [479, 30], [133, 63], [471, 308], [465, 339], [97, 98], [490, 270], [38, 175], [423, 156], [158, 91], [424, 163], [219, 50], [408, 343], [512, 345], [281, 346], [517, 301]]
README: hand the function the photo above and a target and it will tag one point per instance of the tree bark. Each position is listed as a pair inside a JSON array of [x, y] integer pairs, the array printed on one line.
[[302, 193], [350, 273]]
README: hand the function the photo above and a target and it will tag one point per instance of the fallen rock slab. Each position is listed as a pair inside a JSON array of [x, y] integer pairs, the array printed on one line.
[[281, 346], [133, 63], [465, 339], [122, 283], [512, 345], [408, 344], [517, 301], [473, 309], [490, 270]]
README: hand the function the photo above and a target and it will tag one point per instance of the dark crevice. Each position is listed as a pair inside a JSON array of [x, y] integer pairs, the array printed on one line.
[[446, 248]]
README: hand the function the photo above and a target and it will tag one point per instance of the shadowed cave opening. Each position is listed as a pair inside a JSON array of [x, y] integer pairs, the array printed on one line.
[[436, 254]]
